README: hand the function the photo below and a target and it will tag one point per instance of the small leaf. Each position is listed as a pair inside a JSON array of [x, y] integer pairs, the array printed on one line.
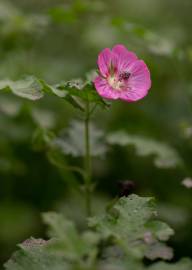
[[70, 91], [53, 89], [83, 90], [62, 93]]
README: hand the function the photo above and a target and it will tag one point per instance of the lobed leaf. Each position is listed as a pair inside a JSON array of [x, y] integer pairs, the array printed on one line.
[[184, 264], [71, 141], [76, 92], [84, 90], [67, 240], [29, 88], [123, 237], [164, 155], [34, 256], [119, 264], [127, 223]]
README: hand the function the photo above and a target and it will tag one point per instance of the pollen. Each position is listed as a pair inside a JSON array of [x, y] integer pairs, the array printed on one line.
[[124, 75], [115, 83]]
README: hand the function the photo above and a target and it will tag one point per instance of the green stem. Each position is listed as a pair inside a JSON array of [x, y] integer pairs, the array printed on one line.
[[87, 178]]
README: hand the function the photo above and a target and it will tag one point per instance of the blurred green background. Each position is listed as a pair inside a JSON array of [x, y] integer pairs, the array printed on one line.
[[59, 40]]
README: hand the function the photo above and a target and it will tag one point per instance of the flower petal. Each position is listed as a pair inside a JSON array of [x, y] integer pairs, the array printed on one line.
[[139, 82], [140, 75], [122, 58], [104, 61], [104, 89]]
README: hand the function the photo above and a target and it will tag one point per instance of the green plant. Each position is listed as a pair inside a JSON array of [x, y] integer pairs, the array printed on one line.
[[129, 231]]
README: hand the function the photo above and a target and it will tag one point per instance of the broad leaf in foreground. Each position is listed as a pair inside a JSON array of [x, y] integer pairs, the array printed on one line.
[[128, 223], [75, 247], [184, 264], [120, 264], [33, 255], [120, 240]]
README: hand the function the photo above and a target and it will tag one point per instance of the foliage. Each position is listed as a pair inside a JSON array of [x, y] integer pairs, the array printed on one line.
[[77, 92], [27, 88], [71, 141], [129, 223], [57, 41], [122, 237], [164, 155], [33, 89]]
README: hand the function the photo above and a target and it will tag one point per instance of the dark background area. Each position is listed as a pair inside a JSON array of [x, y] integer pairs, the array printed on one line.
[[60, 40]]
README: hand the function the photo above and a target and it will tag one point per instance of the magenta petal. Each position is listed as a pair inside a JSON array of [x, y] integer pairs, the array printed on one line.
[[122, 58], [104, 89], [122, 75], [140, 75], [139, 83], [104, 61]]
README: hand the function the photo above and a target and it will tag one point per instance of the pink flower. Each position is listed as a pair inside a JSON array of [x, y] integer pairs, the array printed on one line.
[[122, 75]]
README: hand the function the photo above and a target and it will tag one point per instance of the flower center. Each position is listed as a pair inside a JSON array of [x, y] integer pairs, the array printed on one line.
[[118, 82], [115, 83]]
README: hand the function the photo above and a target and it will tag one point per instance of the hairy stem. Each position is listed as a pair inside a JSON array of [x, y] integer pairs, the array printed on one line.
[[87, 161]]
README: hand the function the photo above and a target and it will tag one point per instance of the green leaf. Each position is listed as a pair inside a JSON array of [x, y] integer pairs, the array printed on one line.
[[84, 90], [120, 264], [184, 264], [71, 141], [33, 255], [62, 93], [127, 224], [164, 155], [53, 89], [66, 239], [29, 88], [162, 230], [76, 92]]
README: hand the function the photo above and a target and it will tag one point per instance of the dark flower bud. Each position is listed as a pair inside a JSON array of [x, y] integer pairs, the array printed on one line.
[[126, 188]]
